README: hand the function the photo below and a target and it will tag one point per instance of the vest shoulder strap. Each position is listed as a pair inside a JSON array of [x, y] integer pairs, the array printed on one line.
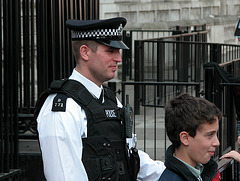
[[76, 90], [110, 94], [68, 87], [43, 96]]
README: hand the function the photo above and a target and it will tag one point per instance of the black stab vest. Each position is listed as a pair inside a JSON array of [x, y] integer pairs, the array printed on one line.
[[105, 153]]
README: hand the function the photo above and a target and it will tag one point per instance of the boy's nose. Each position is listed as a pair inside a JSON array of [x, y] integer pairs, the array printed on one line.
[[216, 142]]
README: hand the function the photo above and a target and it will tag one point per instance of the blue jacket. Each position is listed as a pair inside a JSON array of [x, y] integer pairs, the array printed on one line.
[[177, 171]]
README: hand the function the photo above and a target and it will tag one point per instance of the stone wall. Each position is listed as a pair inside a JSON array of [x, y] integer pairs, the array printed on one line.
[[220, 16]]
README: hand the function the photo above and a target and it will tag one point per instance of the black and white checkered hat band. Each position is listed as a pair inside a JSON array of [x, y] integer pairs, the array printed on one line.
[[113, 34]]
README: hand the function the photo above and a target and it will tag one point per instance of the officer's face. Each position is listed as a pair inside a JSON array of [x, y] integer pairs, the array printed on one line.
[[103, 63]]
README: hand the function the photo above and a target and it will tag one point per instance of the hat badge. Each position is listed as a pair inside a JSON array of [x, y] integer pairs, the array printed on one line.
[[120, 29]]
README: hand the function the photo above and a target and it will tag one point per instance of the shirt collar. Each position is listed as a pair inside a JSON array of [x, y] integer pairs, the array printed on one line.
[[90, 86], [195, 171]]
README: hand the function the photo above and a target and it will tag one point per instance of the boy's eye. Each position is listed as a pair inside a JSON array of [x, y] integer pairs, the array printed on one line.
[[211, 134]]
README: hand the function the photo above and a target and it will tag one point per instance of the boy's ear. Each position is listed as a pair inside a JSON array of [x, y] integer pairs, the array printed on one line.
[[184, 138]]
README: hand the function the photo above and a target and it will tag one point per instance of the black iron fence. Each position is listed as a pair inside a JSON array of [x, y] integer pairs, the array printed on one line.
[[160, 60], [222, 87], [195, 33], [177, 61], [10, 53]]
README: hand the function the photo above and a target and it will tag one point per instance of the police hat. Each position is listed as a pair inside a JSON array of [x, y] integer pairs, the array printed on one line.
[[107, 31]]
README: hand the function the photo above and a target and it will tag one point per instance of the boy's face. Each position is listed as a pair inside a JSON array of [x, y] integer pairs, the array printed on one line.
[[202, 147]]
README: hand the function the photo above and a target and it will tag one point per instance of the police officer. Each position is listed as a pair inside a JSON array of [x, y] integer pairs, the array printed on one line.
[[81, 124]]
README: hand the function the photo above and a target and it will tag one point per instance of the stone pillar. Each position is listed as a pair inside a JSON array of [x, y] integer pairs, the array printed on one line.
[[223, 7]]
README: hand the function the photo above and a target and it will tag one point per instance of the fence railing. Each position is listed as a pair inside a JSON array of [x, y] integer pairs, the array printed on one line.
[[12, 175], [174, 61], [224, 95], [160, 60], [196, 33]]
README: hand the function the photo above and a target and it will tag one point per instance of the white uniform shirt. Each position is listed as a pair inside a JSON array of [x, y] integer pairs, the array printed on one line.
[[60, 136]]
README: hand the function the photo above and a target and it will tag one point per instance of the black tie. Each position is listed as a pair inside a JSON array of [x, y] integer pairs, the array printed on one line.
[[101, 96]]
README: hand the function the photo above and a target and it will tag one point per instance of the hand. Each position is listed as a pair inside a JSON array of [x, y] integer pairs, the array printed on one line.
[[238, 140], [231, 155]]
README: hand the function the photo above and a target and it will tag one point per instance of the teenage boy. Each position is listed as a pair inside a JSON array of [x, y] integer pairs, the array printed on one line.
[[191, 124]]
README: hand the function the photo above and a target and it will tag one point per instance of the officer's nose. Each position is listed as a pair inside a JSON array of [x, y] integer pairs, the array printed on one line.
[[117, 56]]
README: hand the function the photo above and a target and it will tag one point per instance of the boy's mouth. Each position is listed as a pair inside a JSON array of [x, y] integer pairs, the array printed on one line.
[[211, 153]]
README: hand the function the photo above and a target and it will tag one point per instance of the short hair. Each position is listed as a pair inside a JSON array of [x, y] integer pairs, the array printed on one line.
[[187, 113], [93, 45]]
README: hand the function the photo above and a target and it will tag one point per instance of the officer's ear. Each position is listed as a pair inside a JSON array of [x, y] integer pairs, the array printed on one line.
[[84, 52]]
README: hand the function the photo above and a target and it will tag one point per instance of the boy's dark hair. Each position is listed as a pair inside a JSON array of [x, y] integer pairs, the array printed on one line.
[[186, 113]]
